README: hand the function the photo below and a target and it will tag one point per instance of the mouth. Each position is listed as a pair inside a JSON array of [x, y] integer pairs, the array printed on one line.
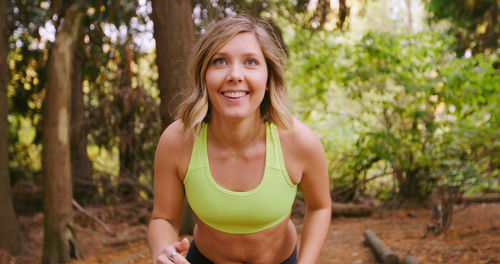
[[235, 95]]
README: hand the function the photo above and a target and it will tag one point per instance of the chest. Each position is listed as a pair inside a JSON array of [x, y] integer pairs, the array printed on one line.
[[240, 172]]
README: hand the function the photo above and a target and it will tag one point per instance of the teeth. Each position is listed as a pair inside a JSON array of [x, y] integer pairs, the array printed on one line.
[[234, 94]]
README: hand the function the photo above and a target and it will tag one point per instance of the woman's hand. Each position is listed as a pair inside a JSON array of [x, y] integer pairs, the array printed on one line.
[[172, 253]]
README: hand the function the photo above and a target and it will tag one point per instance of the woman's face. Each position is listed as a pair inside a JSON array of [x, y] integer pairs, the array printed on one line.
[[236, 78]]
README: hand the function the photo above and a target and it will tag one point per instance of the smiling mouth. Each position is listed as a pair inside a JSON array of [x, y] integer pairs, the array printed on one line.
[[234, 95]]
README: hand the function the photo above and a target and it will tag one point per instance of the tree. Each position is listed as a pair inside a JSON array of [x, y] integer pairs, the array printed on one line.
[[174, 35], [312, 15], [27, 69], [60, 244], [474, 22], [129, 100], [84, 188], [9, 230]]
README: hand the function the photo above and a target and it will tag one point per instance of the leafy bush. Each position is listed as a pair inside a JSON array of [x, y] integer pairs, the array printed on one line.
[[405, 100]]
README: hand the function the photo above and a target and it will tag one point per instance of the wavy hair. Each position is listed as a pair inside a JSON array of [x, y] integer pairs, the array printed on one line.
[[274, 108]]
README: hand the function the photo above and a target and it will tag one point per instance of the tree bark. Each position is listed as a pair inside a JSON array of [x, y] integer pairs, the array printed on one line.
[[129, 163], [442, 212], [410, 185], [409, 26], [84, 189], [174, 36], [385, 253], [9, 229], [409, 259], [59, 243]]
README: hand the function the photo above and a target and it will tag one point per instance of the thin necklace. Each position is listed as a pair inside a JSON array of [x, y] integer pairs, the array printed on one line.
[[232, 152]]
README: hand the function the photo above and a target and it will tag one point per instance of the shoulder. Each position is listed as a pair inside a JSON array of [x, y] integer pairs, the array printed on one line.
[[174, 136], [300, 139], [174, 147], [302, 150]]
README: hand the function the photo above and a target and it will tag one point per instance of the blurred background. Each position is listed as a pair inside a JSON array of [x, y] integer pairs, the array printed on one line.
[[404, 95]]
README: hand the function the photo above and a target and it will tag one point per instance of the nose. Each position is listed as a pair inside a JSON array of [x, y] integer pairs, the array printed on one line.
[[235, 74]]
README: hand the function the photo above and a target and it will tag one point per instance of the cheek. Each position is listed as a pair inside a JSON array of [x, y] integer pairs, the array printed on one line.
[[211, 80], [261, 80]]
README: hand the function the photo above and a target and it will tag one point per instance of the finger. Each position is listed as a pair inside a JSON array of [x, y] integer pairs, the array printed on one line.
[[178, 259], [182, 246], [163, 259]]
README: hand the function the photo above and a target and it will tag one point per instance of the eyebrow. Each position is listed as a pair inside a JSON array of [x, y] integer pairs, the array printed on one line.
[[246, 54]]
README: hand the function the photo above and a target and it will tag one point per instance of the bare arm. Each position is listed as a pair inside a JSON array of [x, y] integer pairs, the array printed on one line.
[[170, 163], [314, 185]]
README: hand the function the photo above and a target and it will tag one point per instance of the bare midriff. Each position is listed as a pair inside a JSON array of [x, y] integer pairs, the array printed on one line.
[[273, 245]]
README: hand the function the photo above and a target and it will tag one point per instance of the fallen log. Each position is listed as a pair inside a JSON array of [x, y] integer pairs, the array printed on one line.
[[383, 252], [351, 210], [485, 198], [409, 259]]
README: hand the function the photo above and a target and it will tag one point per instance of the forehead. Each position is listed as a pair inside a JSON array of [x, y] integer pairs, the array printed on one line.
[[245, 42]]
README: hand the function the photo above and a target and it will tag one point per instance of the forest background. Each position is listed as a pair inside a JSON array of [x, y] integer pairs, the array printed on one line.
[[404, 95]]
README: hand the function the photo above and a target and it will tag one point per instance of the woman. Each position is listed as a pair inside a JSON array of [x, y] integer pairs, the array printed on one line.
[[238, 155]]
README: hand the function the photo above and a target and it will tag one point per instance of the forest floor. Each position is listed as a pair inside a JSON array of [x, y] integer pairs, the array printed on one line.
[[474, 237]]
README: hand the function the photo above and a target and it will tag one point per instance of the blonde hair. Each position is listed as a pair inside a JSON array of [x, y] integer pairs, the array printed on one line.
[[274, 107]]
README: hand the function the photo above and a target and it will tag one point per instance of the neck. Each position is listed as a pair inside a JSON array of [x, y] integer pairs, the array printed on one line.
[[237, 135]]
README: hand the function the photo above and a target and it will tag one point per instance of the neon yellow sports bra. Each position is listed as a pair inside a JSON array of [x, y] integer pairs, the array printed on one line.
[[240, 212]]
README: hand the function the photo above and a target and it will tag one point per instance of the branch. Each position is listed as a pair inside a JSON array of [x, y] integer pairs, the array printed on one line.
[[80, 208]]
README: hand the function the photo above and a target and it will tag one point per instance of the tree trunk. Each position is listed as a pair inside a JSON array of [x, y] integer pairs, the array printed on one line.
[[59, 243], [410, 186], [9, 230], [409, 26], [129, 163], [174, 36], [84, 189], [442, 212]]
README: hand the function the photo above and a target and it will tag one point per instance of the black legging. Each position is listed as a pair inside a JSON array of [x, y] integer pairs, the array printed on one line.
[[194, 256]]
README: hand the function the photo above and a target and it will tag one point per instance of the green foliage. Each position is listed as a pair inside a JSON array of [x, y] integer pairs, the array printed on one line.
[[32, 26], [405, 100], [474, 22], [25, 89], [462, 12], [398, 114]]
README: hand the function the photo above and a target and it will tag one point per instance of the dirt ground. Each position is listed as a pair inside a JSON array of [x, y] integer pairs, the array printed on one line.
[[474, 237]]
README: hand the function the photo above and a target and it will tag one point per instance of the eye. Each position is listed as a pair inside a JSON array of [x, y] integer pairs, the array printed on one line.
[[219, 61], [251, 62]]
